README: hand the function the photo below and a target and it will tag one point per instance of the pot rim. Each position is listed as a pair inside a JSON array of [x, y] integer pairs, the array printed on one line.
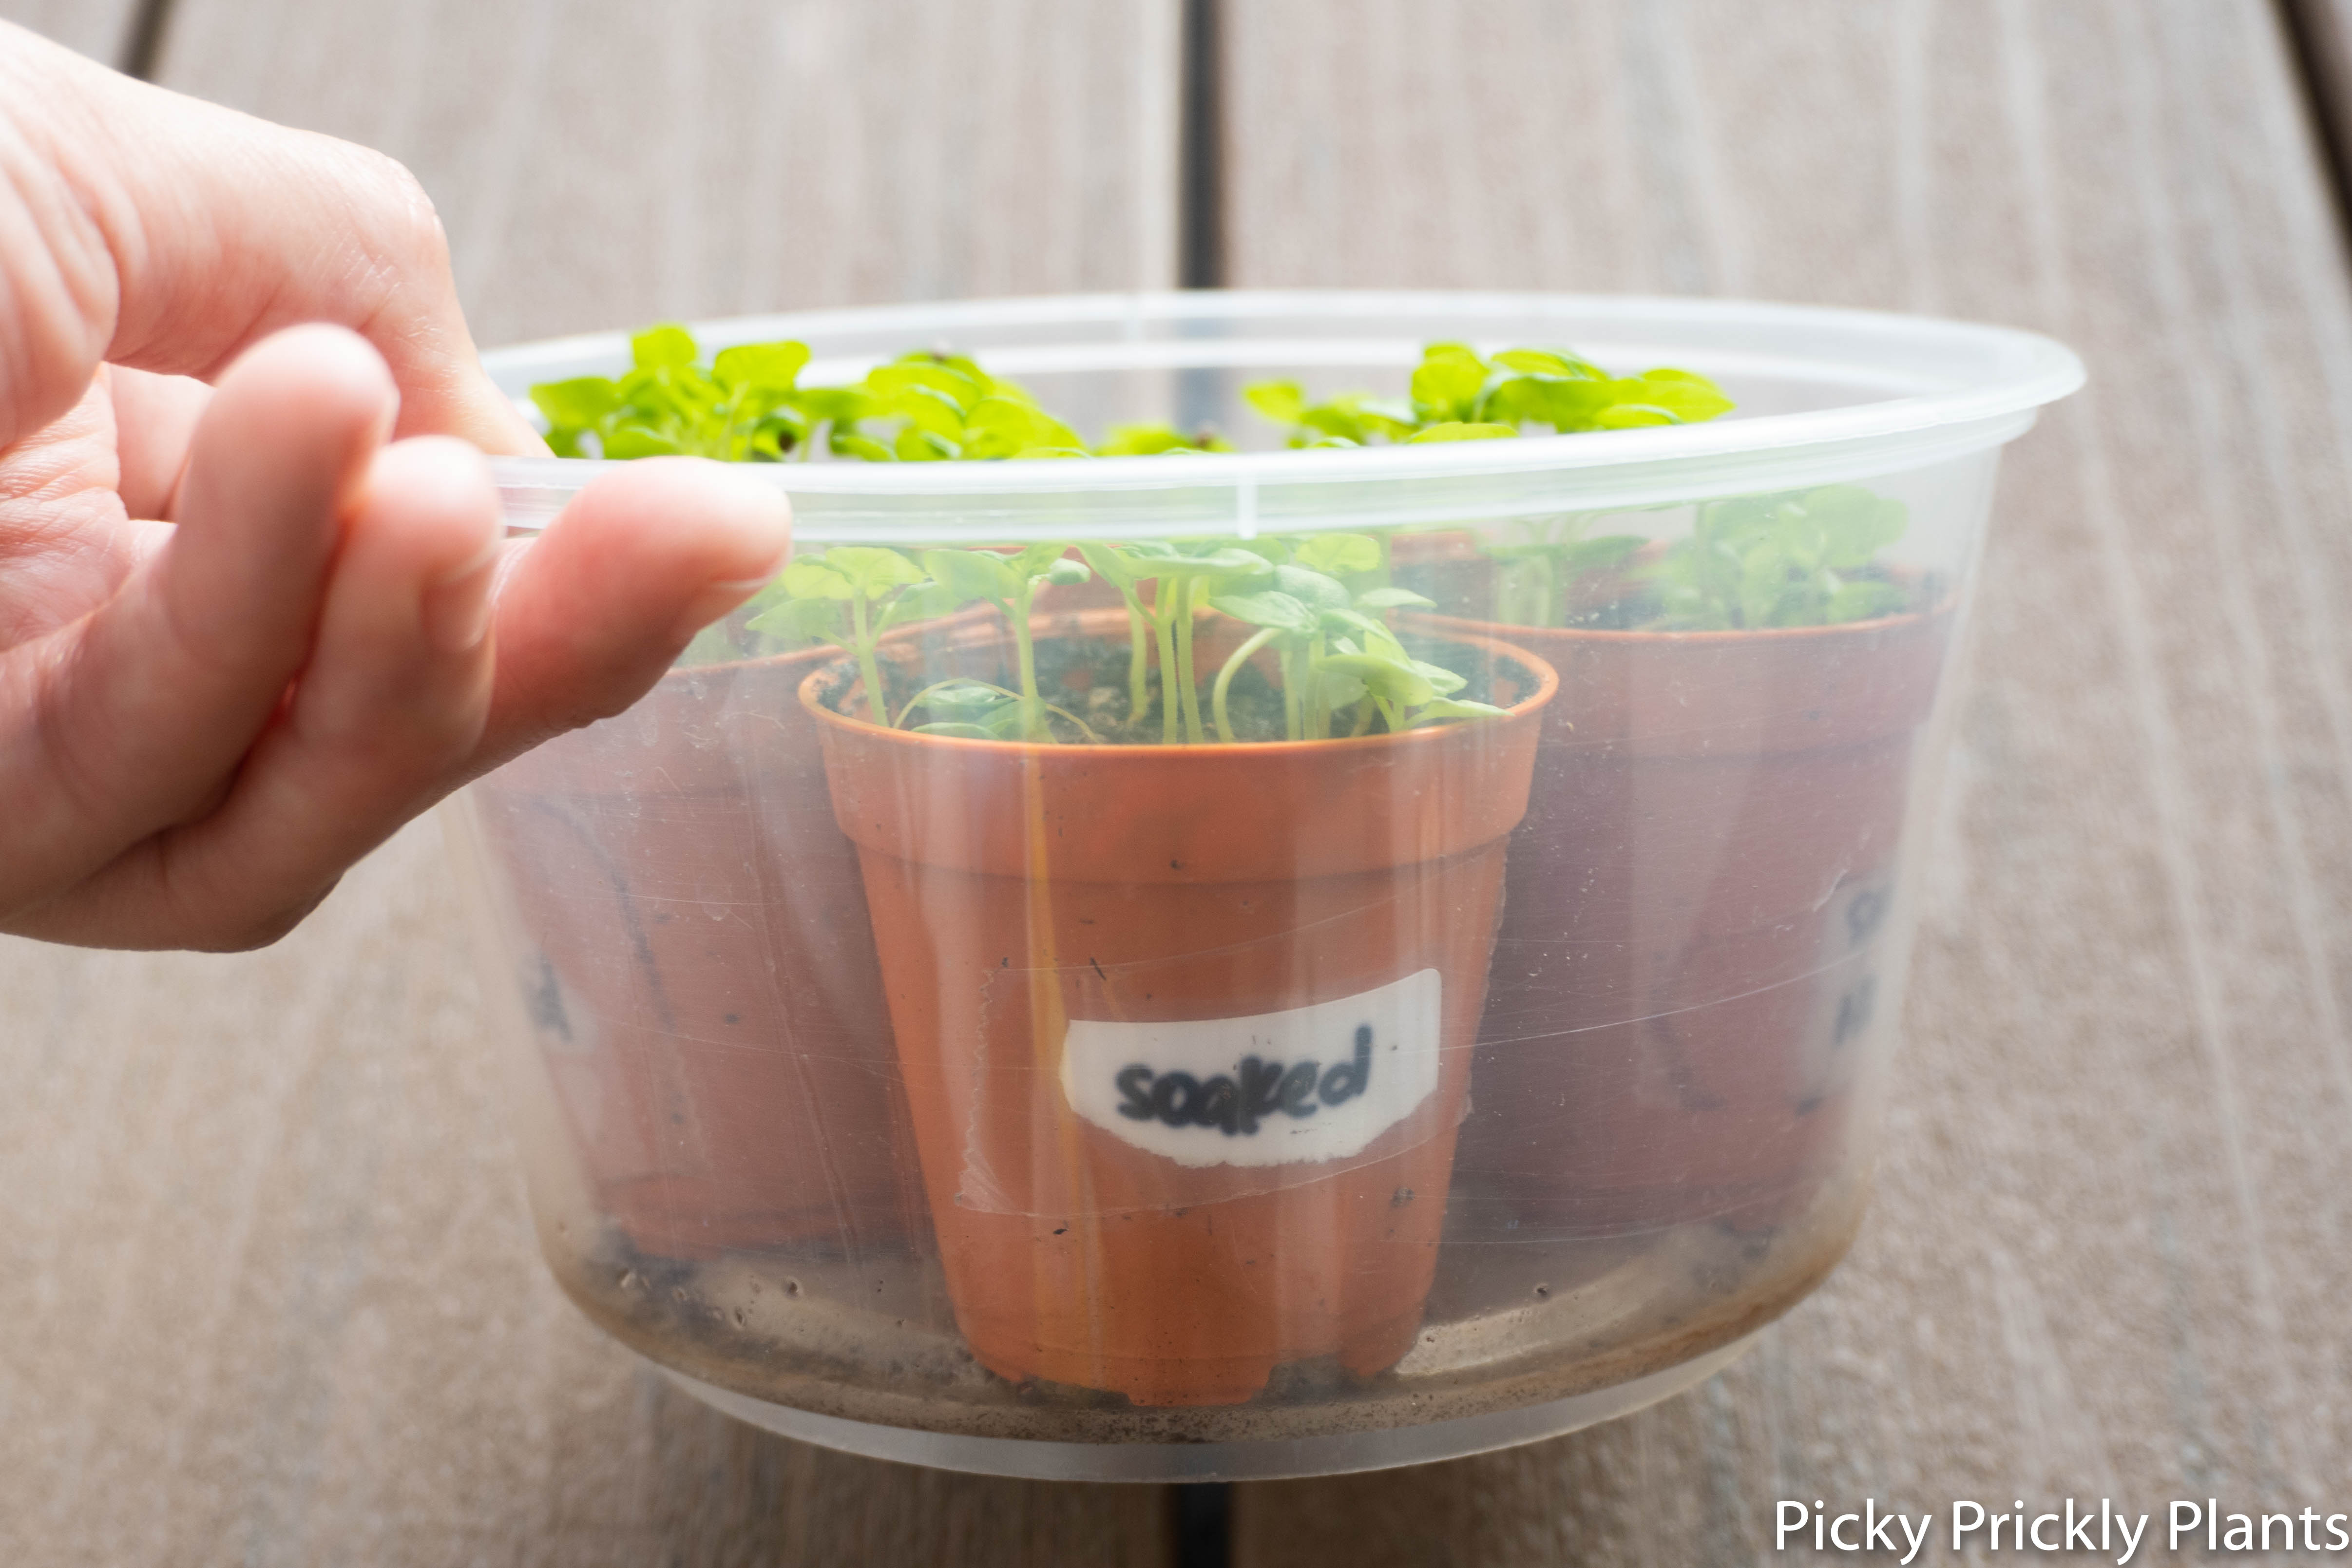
[[1547, 687], [1942, 610]]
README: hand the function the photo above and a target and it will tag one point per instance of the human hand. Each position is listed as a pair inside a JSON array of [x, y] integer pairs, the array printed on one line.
[[255, 606]]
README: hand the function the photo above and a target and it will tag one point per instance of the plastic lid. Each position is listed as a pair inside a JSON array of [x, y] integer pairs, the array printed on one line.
[[1847, 394]]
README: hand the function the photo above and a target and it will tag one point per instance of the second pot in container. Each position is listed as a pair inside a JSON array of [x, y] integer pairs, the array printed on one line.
[[701, 977], [1690, 954]]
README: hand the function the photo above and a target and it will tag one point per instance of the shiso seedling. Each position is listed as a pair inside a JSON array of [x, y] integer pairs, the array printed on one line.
[[747, 406], [1794, 559], [1802, 558], [1459, 395], [852, 594], [1010, 584], [1335, 654], [947, 408], [1184, 575], [1343, 670], [1319, 605], [1544, 558]]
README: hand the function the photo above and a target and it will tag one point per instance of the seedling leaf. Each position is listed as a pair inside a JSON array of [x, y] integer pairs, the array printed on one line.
[[1282, 402], [1336, 552], [1398, 682], [972, 575], [1269, 608], [667, 344], [798, 621], [766, 368], [1439, 710], [577, 403], [921, 602], [1446, 385], [1311, 588], [809, 578], [874, 571]]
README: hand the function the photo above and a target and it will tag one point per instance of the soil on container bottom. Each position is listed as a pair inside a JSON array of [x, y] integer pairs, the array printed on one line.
[[1509, 1325]]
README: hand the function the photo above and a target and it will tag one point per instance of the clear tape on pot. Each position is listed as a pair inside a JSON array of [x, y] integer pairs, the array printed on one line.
[[1308, 1085], [1150, 1114]]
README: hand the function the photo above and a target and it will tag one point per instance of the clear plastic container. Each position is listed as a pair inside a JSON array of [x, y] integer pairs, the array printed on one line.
[[1177, 1112]]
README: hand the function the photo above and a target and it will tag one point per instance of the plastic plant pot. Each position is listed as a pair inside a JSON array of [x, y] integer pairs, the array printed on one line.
[[940, 1120], [707, 999], [1692, 953], [1066, 931]]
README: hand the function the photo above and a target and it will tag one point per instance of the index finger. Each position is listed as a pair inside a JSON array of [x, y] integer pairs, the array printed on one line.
[[168, 234]]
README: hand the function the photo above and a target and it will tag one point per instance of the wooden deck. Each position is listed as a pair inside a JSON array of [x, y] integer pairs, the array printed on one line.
[[271, 1294]]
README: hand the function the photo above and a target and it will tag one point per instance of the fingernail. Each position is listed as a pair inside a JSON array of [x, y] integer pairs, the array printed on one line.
[[456, 615], [714, 602]]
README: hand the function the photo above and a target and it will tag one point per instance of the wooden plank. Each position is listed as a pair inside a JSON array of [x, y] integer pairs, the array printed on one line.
[[271, 1294], [98, 28], [2105, 1259], [817, 152]]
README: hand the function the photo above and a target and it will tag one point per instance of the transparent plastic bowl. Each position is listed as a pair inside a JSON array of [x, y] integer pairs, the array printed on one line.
[[1171, 1112]]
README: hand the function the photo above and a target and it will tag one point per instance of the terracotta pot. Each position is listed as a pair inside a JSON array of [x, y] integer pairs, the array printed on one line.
[[1057, 925], [704, 986], [1688, 961]]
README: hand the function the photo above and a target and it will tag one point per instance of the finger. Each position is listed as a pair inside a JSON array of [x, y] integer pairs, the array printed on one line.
[[600, 606], [65, 544], [145, 709], [155, 420], [168, 234], [389, 708]]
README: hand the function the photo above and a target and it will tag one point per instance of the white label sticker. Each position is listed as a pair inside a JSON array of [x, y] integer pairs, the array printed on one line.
[[1312, 1083]]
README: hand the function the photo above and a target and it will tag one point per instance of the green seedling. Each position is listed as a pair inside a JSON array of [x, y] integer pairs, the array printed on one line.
[[1350, 419], [945, 408], [1157, 440], [1336, 656], [1457, 395], [1111, 565], [1184, 576], [1010, 584], [852, 594], [980, 710], [1543, 560], [1793, 560], [743, 409], [1316, 603], [721, 642]]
